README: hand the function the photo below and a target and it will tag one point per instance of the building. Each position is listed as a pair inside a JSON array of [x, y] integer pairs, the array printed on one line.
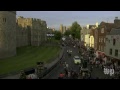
[[19, 32], [33, 29], [83, 33], [7, 33], [87, 35], [91, 38], [87, 40], [100, 36], [62, 29], [112, 49]]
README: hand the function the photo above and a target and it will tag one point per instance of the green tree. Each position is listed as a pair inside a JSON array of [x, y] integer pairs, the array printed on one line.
[[75, 30], [57, 35], [67, 33]]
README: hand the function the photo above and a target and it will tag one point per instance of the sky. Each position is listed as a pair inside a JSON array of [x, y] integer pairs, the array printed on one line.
[[55, 18]]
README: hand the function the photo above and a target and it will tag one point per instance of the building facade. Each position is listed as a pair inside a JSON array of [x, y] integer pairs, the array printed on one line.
[[62, 29], [101, 32], [7, 33], [33, 29], [112, 49]]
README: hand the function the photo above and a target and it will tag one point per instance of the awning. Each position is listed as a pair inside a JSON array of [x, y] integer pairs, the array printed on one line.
[[101, 53]]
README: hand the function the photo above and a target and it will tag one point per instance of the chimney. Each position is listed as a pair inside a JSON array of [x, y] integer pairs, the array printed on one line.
[[116, 18]]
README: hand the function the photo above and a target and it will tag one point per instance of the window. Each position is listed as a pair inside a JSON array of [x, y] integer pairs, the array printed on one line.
[[4, 19], [116, 52], [114, 41], [110, 52], [99, 40], [104, 40], [102, 30]]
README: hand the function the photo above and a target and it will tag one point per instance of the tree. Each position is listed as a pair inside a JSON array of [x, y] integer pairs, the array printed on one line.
[[75, 30], [67, 33], [57, 35]]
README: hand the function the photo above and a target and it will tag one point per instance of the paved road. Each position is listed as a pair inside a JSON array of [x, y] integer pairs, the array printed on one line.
[[68, 59], [97, 72]]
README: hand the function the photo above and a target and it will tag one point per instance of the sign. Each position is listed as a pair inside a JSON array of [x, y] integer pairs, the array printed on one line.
[[50, 35]]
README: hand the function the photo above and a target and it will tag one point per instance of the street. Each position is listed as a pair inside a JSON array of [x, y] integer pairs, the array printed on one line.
[[54, 74]]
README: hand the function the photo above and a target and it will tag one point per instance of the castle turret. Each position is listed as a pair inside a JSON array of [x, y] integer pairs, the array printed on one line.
[[7, 33]]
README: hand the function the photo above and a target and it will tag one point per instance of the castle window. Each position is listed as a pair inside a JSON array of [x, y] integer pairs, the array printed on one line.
[[4, 19]]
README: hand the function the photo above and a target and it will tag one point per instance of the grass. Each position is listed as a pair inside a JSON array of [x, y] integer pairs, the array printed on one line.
[[27, 57]]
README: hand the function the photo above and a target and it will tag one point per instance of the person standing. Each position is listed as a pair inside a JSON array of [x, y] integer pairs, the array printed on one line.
[[22, 75]]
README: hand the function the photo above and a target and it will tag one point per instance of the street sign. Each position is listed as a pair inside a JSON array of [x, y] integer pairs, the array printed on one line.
[[50, 35]]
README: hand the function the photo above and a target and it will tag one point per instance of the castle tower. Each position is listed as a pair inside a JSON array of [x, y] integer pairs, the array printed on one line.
[[7, 33], [61, 28]]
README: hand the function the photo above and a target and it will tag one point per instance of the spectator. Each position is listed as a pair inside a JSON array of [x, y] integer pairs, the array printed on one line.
[[22, 75], [61, 76]]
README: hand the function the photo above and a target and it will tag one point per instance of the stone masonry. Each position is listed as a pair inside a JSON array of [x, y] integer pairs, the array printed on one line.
[[17, 32]]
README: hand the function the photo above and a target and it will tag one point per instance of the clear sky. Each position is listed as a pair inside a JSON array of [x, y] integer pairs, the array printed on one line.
[[55, 18]]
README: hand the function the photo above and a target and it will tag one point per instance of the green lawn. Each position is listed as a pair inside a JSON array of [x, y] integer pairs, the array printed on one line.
[[27, 57]]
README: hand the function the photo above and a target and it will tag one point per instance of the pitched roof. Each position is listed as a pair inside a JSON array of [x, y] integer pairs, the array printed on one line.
[[114, 31]]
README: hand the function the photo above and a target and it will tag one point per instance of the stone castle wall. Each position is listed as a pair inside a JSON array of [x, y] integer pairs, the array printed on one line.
[[19, 32], [21, 36], [7, 33]]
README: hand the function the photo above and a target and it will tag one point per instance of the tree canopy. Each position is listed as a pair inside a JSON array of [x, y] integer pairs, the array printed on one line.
[[57, 35], [75, 30], [67, 33]]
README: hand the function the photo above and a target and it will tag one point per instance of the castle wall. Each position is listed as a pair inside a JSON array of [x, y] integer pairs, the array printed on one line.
[[21, 36], [19, 32], [7, 33], [23, 31], [38, 32]]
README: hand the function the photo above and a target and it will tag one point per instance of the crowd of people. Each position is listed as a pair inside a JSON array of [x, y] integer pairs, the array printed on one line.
[[68, 72], [112, 70]]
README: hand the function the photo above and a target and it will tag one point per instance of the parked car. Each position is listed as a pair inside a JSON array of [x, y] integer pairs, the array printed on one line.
[[77, 60]]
